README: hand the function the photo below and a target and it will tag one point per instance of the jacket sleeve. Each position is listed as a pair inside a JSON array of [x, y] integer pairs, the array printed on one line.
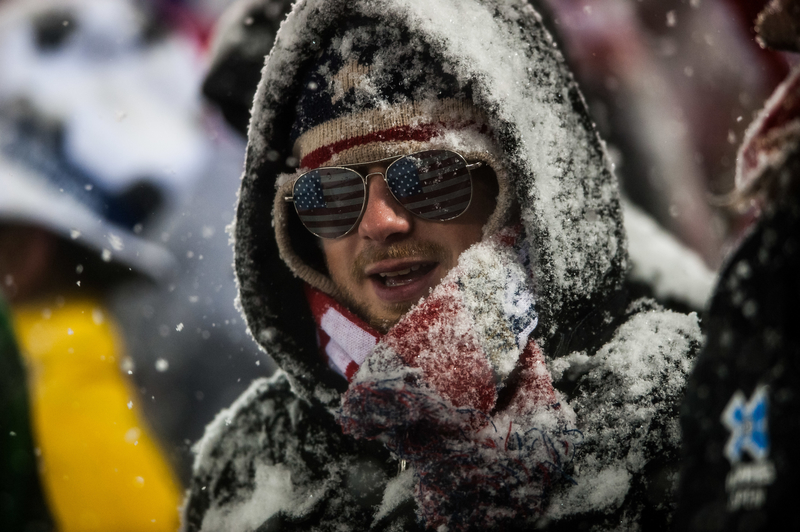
[[274, 461], [239, 452], [627, 402]]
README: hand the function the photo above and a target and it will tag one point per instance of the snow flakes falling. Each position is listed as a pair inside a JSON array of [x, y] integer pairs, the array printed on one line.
[[127, 365], [134, 433], [116, 242], [162, 365]]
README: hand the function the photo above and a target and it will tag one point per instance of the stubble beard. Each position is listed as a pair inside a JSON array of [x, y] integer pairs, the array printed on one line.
[[384, 318]]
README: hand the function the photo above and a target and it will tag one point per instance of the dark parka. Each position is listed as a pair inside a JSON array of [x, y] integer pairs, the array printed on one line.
[[277, 459]]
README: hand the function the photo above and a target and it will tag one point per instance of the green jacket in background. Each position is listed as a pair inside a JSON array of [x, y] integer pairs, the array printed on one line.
[[22, 504]]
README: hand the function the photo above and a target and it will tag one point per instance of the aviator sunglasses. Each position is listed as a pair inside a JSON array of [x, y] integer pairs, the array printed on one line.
[[433, 184]]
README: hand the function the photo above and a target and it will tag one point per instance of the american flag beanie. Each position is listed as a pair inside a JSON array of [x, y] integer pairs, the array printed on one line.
[[375, 92]]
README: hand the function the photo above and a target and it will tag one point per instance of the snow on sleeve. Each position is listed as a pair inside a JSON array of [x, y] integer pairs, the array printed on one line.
[[627, 408], [215, 430], [398, 490], [273, 492], [663, 263], [242, 474]]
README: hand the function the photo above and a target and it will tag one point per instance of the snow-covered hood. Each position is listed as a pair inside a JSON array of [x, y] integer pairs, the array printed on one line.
[[553, 161]]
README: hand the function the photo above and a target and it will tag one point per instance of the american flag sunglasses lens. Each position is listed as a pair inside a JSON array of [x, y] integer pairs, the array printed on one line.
[[329, 201], [434, 184]]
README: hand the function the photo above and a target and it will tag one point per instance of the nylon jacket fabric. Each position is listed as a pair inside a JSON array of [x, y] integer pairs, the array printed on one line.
[[752, 346], [740, 414], [277, 459]]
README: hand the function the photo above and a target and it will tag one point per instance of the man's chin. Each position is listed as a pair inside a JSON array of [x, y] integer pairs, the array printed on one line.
[[387, 319], [381, 319]]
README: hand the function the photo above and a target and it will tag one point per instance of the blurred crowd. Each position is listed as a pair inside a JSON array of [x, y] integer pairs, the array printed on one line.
[[122, 127]]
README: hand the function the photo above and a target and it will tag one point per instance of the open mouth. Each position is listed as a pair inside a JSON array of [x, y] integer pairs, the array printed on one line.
[[405, 276], [399, 281]]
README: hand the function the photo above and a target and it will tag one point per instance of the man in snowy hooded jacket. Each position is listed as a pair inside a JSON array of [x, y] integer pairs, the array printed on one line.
[[529, 388]]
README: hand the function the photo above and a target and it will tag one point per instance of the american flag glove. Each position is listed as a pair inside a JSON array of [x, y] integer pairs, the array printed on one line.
[[430, 392]]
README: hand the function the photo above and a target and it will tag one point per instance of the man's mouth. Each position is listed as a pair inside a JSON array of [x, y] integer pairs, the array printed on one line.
[[396, 281], [405, 276]]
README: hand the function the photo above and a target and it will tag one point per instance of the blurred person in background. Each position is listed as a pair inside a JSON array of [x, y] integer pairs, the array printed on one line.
[[740, 416], [189, 347], [670, 84], [96, 138]]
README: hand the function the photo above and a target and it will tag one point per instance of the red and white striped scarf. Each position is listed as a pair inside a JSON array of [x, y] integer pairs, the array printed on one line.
[[345, 340]]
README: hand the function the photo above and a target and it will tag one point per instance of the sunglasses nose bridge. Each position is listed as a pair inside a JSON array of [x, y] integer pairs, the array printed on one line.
[[366, 177]]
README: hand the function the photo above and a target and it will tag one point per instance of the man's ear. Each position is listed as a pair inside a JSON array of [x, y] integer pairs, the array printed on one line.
[[26, 255]]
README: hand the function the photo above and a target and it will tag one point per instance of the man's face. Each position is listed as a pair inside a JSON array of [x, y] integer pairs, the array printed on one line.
[[393, 258]]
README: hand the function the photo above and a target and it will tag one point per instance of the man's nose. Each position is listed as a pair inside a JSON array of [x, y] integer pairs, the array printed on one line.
[[384, 218]]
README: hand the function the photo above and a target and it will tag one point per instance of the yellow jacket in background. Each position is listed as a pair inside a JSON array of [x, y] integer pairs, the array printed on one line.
[[101, 469]]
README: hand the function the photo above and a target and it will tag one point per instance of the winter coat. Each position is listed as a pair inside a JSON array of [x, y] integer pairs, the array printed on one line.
[[278, 458], [739, 418]]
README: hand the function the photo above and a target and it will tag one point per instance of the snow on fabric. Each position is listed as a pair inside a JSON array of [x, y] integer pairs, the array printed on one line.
[[271, 456], [659, 260], [570, 408], [272, 493], [632, 389], [476, 325]]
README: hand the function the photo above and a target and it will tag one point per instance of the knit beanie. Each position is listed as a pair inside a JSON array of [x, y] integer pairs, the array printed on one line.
[[376, 92]]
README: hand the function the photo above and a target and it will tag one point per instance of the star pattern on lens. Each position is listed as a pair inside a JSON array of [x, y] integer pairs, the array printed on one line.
[[404, 180], [308, 193]]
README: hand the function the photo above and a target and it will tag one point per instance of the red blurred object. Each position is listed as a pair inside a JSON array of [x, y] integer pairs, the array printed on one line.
[[183, 18]]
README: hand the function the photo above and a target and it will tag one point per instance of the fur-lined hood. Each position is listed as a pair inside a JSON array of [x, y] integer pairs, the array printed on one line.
[[554, 167]]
